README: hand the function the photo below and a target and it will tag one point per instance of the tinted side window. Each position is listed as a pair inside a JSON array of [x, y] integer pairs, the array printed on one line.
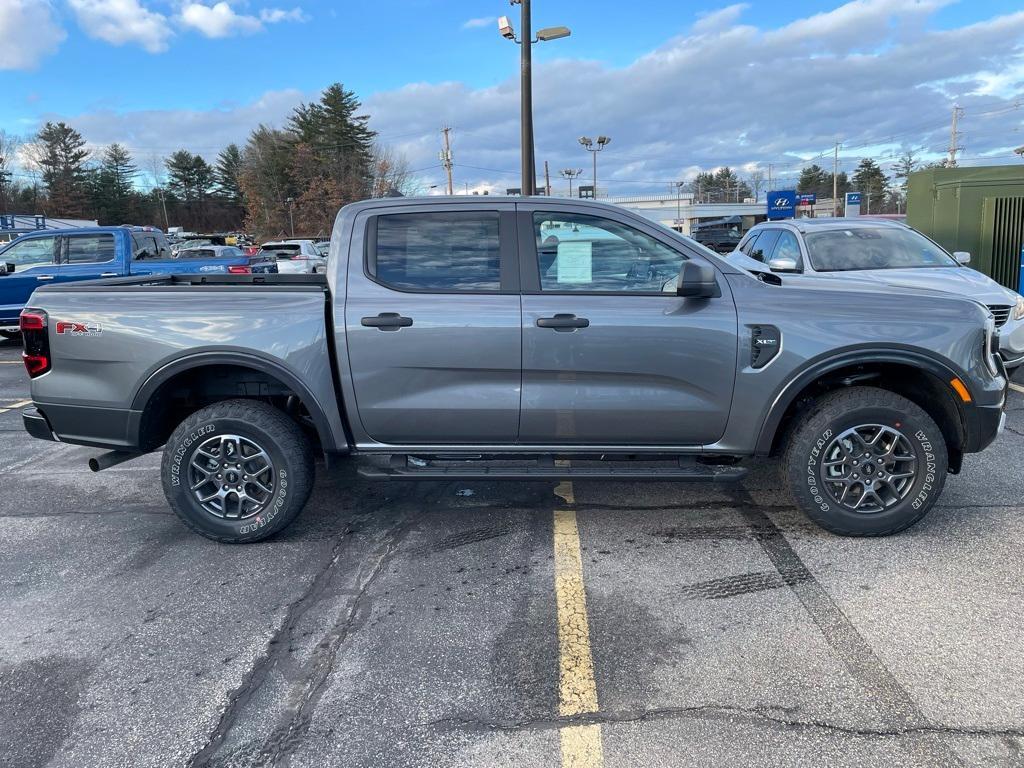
[[748, 246], [763, 249], [589, 253], [30, 253], [457, 251], [145, 247], [787, 248], [90, 249]]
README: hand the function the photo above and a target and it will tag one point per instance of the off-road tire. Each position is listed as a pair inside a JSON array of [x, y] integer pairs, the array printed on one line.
[[843, 409], [281, 438]]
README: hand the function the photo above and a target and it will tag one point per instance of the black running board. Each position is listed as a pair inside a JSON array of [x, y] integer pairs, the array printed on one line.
[[417, 468]]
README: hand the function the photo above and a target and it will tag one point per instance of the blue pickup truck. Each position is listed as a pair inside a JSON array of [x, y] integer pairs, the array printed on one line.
[[48, 257]]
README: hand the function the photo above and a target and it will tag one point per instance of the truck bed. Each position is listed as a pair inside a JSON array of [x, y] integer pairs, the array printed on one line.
[[179, 281]]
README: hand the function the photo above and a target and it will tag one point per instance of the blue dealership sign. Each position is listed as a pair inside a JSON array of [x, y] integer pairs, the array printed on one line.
[[782, 205], [853, 198], [808, 199]]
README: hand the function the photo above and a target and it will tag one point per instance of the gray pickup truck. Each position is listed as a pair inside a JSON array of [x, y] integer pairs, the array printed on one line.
[[521, 338]]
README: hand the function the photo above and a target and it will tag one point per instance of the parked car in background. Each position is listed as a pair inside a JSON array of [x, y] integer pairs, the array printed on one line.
[[239, 262], [885, 252], [54, 257], [295, 256], [324, 246], [196, 242]]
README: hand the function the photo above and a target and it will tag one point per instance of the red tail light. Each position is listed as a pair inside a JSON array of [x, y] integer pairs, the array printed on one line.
[[36, 342], [239, 269]]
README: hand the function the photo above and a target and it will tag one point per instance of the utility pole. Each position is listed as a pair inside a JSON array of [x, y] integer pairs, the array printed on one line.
[[954, 135], [835, 182], [547, 180], [446, 157], [163, 204], [679, 202], [570, 174], [769, 177], [291, 215]]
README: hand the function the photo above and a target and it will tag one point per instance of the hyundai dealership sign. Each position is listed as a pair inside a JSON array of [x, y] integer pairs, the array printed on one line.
[[782, 205]]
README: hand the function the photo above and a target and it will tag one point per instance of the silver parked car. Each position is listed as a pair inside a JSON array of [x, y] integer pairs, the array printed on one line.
[[295, 257], [886, 252]]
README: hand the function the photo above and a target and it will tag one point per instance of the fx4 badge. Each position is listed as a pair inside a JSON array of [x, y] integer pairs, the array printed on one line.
[[65, 327]]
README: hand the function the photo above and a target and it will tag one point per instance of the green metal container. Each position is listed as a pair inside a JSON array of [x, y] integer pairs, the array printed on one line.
[[978, 210]]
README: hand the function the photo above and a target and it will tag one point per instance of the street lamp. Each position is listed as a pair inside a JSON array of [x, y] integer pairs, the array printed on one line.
[[593, 148], [570, 174], [291, 217], [526, 42]]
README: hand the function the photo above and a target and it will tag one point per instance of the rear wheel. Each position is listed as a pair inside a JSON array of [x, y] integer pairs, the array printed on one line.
[[237, 471], [11, 335], [865, 462]]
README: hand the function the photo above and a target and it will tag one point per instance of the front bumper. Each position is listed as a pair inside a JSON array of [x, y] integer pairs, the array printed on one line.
[[984, 424]]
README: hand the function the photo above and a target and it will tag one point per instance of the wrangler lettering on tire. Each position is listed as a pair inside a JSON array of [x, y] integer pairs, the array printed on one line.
[[865, 462], [237, 471]]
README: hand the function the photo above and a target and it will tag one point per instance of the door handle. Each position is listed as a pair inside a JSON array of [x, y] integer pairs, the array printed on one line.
[[563, 322], [44, 277], [387, 321], [108, 274]]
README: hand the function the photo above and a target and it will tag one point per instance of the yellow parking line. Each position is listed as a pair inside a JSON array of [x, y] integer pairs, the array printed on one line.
[[577, 691], [1016, 387], [11, 362], [12, 406]]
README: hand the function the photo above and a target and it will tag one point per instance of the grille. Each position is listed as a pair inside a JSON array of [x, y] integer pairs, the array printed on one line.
[[1001, 312]]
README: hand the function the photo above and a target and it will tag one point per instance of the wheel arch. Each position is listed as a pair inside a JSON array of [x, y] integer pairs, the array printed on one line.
[[917, 376], [180, 368]]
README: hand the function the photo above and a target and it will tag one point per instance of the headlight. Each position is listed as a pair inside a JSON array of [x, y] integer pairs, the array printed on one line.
[[1018, 309], [991, 345]]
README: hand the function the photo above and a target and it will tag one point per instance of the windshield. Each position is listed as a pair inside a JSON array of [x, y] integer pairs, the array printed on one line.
[[843, 250]]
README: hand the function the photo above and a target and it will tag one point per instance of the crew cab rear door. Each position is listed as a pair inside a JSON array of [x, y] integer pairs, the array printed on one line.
[[433, 322], [609, 357], [88, 256]]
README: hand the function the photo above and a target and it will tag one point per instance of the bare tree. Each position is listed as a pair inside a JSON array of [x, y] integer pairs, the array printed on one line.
[[391, 173], [756, 181], [8, 154]]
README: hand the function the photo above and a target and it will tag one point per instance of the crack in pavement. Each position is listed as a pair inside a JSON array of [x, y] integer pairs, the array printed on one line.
[[277, 651], [759, 715]]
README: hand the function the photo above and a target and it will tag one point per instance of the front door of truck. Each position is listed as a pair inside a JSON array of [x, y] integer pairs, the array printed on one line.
[[433, 320], [34, 260], [609, 357]]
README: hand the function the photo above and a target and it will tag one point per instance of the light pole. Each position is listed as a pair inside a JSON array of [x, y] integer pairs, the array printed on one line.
[[593, 148], [526, 118], [291, 218], [570, 174]]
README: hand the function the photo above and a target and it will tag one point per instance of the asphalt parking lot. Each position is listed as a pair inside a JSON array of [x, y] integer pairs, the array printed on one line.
[[481, 624]]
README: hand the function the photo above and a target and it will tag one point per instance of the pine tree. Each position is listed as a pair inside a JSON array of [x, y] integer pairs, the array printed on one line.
[[62, 156], [189, 176], [872, 183], [113, 185], [226, 172]]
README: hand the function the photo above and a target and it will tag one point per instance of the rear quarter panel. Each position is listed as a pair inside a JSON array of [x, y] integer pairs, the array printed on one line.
[[144, 329]]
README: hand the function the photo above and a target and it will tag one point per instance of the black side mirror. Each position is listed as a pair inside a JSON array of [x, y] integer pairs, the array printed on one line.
[[696, 281], [6, 269]]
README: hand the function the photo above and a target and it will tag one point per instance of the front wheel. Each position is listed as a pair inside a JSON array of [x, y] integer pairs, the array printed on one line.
[[865, 462], [237, 471]]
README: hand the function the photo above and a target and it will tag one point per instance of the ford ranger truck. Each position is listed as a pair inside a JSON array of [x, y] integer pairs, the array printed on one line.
[[515, 338]]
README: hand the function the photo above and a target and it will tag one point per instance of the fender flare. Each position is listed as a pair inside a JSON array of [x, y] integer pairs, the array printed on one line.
[[818, 368], [250, 360]]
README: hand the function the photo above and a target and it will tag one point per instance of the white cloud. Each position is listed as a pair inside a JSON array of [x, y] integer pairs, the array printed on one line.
[[218, 20], [715, 21], [221, 20], [483, 21], [123, 21], [24, 51], [276, 15]]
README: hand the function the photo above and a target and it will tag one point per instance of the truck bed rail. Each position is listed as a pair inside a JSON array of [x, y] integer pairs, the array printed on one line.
[[177, 282]]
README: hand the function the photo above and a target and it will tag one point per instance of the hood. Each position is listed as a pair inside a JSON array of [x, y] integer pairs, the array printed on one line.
[[962, 281]]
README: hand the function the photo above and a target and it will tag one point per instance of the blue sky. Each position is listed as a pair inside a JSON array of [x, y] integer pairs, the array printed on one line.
[[110, 66]]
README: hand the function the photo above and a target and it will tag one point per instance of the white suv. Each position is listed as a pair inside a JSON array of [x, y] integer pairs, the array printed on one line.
[[295, 256]]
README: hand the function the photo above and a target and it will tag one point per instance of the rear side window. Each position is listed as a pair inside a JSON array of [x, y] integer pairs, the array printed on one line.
[[89, 249], [457, 251]]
